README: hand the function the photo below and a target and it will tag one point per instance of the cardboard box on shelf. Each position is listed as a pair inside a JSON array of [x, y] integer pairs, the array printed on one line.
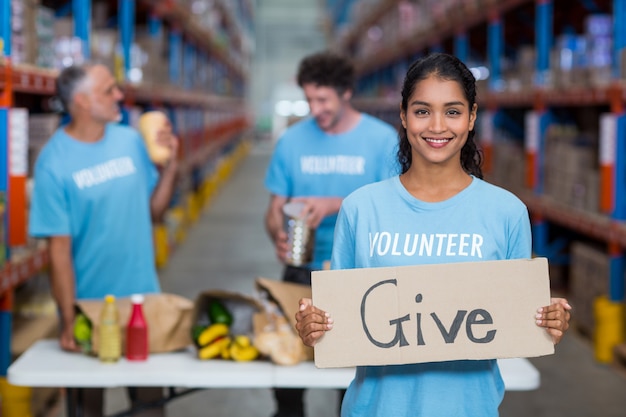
[[44, 29], [40, 128], [63, 27], [509, 165], [155, 64], [571, 167], [589, 279], [427, 313], [103, 44]]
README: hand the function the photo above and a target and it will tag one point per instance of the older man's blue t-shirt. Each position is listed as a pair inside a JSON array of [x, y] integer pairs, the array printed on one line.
[[98, 194], [383, 225], [308, 162]]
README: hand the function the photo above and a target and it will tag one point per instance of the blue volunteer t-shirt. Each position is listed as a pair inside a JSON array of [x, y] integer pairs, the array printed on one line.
[[383, 225], [99, 195], [309, 162]]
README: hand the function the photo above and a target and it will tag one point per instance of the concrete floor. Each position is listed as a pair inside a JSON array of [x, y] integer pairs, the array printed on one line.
[[228, 248]]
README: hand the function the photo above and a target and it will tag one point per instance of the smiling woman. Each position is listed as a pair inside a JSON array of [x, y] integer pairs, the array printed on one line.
[[438, 123], [439, 105], [437, 211]]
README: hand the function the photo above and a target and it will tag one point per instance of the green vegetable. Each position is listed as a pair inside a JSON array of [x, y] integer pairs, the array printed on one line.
[[82, 332], [82, 328], [219, 314], [196, 331]]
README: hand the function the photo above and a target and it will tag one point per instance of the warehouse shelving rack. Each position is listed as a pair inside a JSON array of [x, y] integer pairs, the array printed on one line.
[[472, 27], [189, 44]]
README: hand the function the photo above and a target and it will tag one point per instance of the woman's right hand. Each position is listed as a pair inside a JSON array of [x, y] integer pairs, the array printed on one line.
[[311, 322]]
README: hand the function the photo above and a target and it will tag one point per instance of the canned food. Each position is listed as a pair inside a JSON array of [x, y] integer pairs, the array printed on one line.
[[300, 237]]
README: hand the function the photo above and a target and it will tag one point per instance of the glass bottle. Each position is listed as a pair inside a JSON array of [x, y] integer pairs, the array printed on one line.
[[137, 332], [110, 348]]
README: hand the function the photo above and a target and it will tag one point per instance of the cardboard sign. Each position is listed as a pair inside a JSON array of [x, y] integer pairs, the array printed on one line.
[[432, 313]]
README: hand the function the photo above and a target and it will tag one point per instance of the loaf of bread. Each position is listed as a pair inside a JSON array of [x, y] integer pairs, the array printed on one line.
[[150, 123], [280, 343]]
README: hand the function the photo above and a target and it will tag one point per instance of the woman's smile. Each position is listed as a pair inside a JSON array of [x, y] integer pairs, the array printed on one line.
[[437, 143]]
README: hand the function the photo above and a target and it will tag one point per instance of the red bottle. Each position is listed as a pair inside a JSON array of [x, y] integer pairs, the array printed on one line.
[[137, 332]]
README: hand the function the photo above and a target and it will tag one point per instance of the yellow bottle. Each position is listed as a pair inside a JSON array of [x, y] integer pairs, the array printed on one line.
[[110, 348]]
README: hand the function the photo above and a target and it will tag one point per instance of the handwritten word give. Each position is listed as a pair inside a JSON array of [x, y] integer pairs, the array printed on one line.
[[448, 333]]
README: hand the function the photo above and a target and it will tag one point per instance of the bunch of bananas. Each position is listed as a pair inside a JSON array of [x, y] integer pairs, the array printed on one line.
[[215, 341]]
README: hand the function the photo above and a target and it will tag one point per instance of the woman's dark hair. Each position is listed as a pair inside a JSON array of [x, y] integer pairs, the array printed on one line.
[[327, 69], [449, 68], [66, 84]]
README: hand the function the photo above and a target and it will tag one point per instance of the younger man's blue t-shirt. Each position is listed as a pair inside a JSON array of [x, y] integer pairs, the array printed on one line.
[[309, 162], [98, 194], [382, 225]]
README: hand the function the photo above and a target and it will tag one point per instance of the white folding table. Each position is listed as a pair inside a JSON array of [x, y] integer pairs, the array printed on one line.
[[45, 365]]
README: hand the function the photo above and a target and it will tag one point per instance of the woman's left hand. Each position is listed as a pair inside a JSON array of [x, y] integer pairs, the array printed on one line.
[[555, 318]]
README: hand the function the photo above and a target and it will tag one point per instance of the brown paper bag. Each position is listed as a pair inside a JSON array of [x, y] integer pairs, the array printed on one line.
[[168, 317], [275, 328], [241, 308]]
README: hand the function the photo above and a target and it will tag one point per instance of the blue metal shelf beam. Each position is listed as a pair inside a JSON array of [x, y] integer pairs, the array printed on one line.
[[543, 39], [495, 51], [619, 35], [82, 24], [127, 31], [155, 27], [189, 64], [5, 26], [5, 299], [619, 177], [617, 263], [176, 46], [461, 46], [340, 10]]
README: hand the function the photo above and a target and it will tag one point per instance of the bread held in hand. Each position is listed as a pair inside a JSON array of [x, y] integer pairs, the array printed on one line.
[[150, 124]]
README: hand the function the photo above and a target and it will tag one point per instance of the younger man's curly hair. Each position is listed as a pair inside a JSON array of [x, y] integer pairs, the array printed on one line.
[[327, 69]]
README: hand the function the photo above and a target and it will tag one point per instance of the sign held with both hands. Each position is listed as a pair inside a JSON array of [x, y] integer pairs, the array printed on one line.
[[432, 313]]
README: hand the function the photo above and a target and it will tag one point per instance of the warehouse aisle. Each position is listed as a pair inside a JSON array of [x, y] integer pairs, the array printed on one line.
[[228, 248]]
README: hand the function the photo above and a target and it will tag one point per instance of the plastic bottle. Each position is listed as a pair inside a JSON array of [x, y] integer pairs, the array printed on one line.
[[137, 332], [110, 348]]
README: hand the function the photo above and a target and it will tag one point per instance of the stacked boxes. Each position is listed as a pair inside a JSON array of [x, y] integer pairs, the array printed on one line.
[[589, 278], [44, 28], [509, 165], [148, 63], [520, 75], [577, 61], [103, 48], [40, 128], [599, 32], [154, 65], [32, 34], [21, 39], [571, 168], [568, 62], [584, 60], [67, 47]]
